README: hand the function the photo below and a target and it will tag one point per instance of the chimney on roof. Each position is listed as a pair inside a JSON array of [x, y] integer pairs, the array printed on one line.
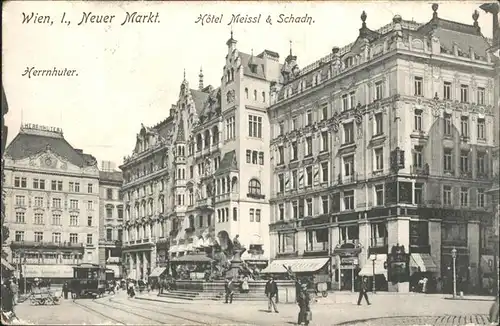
[[200, 85]]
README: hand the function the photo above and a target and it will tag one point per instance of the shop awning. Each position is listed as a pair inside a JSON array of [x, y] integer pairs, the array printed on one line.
[[7, 265], [157, 271], [48, 271], [115, 269], [424, 262], [305, 265], [192, 259], [487, 264], [367, 269]]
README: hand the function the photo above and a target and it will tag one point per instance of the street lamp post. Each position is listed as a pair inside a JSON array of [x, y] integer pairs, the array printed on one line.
[[373, 270], [454, 257]]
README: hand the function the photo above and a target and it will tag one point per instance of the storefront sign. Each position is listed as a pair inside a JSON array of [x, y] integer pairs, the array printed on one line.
[[48, 271], [349, 261]]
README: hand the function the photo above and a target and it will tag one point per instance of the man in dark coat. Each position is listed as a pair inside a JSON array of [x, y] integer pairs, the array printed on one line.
[[271, 292], [304, 302], [363, 289], [7, 297], [229, 289], [65, 290]]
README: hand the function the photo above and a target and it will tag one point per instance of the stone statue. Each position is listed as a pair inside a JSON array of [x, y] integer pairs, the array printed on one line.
[[236, 243]]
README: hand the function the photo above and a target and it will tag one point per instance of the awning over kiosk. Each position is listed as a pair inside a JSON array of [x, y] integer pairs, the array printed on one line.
[[304, 265], [48, 271], [157, 271], [368, 268], [424, 262]]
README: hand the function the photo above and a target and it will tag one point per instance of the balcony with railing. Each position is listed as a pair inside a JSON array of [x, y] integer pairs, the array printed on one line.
[[46, 244], [347, 179]]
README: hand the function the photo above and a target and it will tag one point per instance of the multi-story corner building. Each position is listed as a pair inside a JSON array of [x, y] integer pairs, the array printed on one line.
[[52, 203], [110, 217], [202, 173], [386, 141]]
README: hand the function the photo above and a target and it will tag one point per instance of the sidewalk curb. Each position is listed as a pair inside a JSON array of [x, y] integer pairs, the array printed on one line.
[[470, 299]]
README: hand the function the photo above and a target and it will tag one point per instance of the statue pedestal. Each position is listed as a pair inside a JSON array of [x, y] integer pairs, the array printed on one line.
[[236, 262]]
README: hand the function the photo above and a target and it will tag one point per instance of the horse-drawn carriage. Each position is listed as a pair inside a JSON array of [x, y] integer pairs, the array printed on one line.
[[89, 281]]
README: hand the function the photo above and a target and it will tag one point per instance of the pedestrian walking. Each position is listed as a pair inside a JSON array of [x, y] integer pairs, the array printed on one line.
[[271, 292], [244, 285], [363, 289], [304, 302], [228, 287], [15, 291], [65, 290]]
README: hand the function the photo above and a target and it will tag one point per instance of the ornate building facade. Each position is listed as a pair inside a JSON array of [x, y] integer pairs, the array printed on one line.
[[384, 142], [202, 173], [52, 202], [111, 218]]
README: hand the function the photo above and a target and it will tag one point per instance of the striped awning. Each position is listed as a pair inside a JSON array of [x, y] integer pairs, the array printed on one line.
[[305, 265], [424, 262], [374, 263]]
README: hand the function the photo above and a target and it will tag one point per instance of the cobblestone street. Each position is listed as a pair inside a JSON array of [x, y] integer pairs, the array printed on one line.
[[148, 309]]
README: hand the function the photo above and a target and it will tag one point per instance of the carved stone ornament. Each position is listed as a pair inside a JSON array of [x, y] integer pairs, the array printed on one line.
[[360, 132], [230, 96], [436, 112]]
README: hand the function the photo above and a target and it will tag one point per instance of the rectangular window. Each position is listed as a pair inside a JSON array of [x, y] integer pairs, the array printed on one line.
[[281, 212], [89, 220], [120, 231], [56, 219], [77, 187], [90, 188], [309, 207], [53, 185], [254, 157], [254, 126], [71, 187], [379, 90], [418, 85], [348, 165], [120, 210], [295, 209], [324, 172], [447, 91], [38, 219], [38, 236], [20, 217], [464, 196], [447, 195], [324, 141], [324, 204], [73, 220], [481, 129], [252, 215], [324, 111], [20, 200], [24, 183], [379, 124], [109, 193], [281, 128], [59, 186], [418, 193], [379, 159], [379, 195], [56, 237], [447, 124], [481, 164], [301, 208], [464, 162], [109, 234], [281, 155], [281, 183], [348, 200], [464, 93], [89, 238], [19, 236], [345, 102], [261, 158], [481, 96], [38, 201], [295, 124], [417, 157], [352, 99], [309, 174], [257, 215], [295, 179], [417, 120], [308, 146], [42, 184], [464, 126], [309, 118], [17, 182], [36, 183], [294, 150], [447, 160], [480, 198], [73, 238], [348, 133], [109, 212], [90, 205], [73, 203], [249, 156]]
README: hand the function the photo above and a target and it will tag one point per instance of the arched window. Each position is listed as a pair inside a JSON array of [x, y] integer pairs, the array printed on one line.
[[264, 97], [191, 221], [254, 187], [255, 95], [235, 214], [246, 93]]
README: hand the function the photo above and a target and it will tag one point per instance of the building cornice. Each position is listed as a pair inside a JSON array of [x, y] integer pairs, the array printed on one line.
[[79, 175]]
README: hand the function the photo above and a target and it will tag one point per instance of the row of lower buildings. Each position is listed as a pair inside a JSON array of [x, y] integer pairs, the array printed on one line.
[[388, 141]]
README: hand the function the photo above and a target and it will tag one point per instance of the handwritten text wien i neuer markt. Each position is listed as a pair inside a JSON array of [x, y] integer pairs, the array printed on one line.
[[254, 19], [90, 18]]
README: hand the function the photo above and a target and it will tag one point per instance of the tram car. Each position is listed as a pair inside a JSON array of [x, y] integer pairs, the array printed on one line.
[[89, 281]]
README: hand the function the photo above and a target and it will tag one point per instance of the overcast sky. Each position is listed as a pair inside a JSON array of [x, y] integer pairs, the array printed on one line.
[[130, 74]]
